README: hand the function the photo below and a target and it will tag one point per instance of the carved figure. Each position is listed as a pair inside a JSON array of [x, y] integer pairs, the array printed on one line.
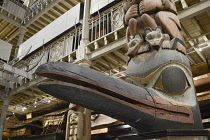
[[74, 118], [153, 40], [141, 14], [151, 13], [159, 93]]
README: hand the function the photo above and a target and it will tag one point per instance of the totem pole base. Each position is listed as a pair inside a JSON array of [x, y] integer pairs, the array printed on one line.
[[170, 134]]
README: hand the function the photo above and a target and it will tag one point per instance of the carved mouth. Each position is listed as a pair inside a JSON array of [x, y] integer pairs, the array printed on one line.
[[118, 93]]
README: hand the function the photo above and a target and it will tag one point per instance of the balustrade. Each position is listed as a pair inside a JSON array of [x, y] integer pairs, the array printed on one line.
[[106, 22], [14, 7]]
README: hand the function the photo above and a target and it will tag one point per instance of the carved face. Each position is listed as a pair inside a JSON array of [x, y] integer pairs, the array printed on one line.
[[134, 45], [154, 38], [74, 118], [135, 41]]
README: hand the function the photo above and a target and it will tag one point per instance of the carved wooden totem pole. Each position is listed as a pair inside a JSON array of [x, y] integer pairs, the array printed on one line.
[[158, 93]]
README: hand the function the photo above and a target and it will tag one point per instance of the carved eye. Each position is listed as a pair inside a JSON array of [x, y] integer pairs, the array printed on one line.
[[149, 36], [133, 43], [172, 81], [159, 35]]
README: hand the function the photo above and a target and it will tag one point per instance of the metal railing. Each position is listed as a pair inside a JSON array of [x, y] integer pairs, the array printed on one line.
[[106, 22], [17, 2], [21, 11], [65, 45], [14, 7], [57, 50], [34, 8]]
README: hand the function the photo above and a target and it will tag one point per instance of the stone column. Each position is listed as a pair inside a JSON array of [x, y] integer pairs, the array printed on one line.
[[20, 39], [4, 109]]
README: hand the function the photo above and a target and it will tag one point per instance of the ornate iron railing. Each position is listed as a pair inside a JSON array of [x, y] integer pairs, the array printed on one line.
[[57, 50], [106, 22]]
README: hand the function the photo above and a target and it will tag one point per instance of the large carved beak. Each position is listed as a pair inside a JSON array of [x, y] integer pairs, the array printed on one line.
[[115, 98]]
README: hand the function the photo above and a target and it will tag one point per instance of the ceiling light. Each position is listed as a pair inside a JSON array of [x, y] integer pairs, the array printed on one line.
[[24, 108]]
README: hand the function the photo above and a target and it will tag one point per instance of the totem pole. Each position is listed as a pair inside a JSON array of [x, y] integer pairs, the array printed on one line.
[[158, 93], [156, 57]]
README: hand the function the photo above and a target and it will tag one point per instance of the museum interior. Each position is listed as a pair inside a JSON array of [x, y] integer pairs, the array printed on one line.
[[89, 33]]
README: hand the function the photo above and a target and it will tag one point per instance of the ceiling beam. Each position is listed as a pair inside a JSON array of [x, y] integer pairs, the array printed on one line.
[[114, 59], [11, 32], [28, 34], [44, 21], [38, 24], [186, 34], [63, 6], [10, 20], [194, 10], [13, 35], [201, 30], [47, 8], [32, 31], [28, 23], [34, 27], [107, 49], [119, 53], [27, 85], [200, 54], [208, 12], [57, 10], [191, 60], [103, 64], [69, 2], [5, 28], [96, 68], [79, 1], [48, 18], [13, 70]]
